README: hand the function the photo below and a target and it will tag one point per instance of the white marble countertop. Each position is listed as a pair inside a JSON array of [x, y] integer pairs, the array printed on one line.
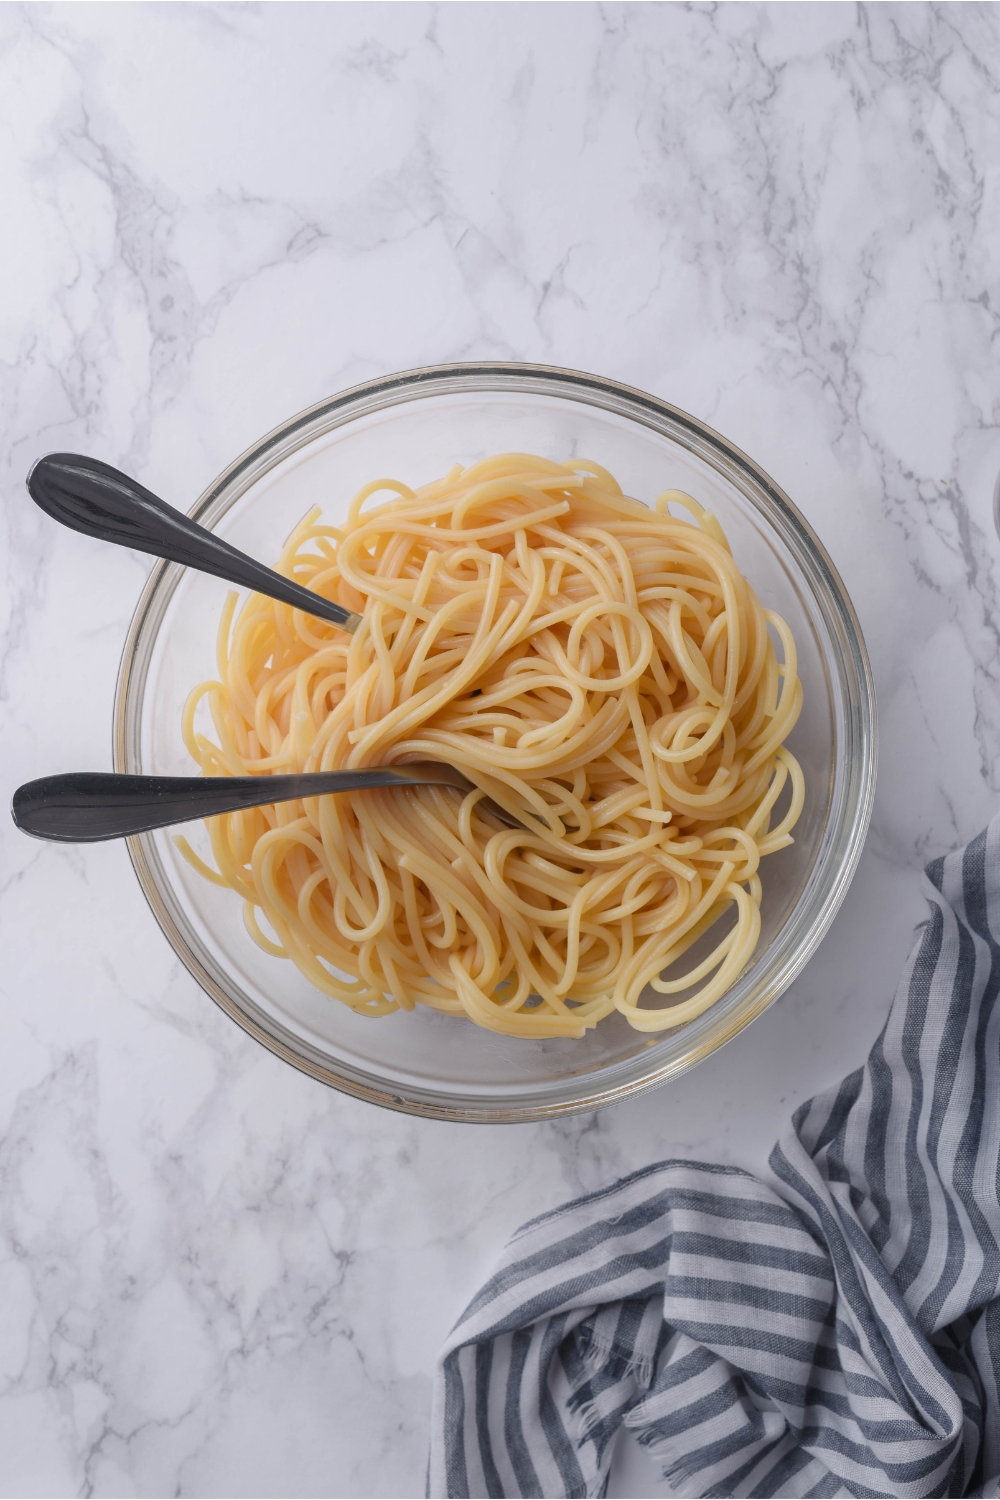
[[216, 1276]]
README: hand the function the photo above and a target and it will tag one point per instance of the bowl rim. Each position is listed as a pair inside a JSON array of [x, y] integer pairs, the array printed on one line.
[[842, 851]]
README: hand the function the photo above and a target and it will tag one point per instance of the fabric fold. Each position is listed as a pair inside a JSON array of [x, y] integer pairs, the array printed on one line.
[[836, 1332]]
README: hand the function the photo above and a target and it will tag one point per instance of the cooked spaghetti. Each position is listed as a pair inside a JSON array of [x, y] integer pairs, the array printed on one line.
[[605, 666]]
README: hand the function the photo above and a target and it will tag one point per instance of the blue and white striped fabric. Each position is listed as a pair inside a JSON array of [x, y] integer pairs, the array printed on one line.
[[837, 1334]]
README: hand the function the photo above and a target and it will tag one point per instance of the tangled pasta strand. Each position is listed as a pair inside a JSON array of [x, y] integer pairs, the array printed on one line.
[[572, 652]]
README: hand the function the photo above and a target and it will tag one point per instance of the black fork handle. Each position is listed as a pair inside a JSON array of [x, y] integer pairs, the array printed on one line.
[[100, 501], [85, 807]]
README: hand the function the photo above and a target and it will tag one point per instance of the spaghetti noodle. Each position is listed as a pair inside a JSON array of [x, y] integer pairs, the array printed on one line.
[[605, 666]]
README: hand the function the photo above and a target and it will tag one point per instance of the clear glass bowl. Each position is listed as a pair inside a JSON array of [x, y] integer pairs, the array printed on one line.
[[415, 426]]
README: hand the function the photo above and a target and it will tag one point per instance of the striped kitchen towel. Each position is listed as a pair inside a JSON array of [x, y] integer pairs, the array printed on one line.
[[837, 1333]]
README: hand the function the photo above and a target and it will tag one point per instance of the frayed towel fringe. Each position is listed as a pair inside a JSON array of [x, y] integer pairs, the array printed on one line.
[[619, 1363], [675, 1470]]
